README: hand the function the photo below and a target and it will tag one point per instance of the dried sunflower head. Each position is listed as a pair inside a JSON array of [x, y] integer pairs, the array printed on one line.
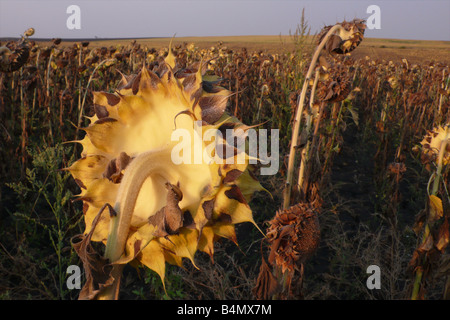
[[13, 56], [335, 87], [29, 32], [294, 235], [346, 39], [188, 201]]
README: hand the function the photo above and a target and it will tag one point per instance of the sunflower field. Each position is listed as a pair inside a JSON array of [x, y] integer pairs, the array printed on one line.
[[88, 177]]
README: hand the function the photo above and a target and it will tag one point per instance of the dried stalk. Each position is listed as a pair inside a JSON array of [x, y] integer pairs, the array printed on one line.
[[142, 167], [419, 273], [306, 151], [298, 117]]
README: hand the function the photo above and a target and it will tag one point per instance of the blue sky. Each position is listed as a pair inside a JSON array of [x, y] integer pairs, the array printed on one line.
[[400, 19]]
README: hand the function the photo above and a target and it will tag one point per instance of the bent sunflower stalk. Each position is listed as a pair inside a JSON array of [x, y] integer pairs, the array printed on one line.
[[294, 232], [161, 210], [340, 38], [435, 150]]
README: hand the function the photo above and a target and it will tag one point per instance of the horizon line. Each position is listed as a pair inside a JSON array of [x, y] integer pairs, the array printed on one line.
[[43, 39]]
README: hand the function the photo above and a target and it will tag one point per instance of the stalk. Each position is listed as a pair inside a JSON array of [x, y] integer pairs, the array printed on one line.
[[143, 166], [306, 150], [434, 191], [335, 129], [48, 98], [441, 95], [298, 117], [81, 105], [35, 89]]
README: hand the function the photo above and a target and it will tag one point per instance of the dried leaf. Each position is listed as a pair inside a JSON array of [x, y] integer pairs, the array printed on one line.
[[436, 210], [419, 221], [443, 236], [169, 219], [116, 166], [97, 269], [426, 245], [213, 107], [266, 283]]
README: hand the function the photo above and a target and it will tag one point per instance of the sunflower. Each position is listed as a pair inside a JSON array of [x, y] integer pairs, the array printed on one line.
[[346, 39], [178, 199], [336, 86], [13, 56]]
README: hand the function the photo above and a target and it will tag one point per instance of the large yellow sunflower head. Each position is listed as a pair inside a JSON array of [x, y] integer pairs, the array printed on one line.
[[165, 128]]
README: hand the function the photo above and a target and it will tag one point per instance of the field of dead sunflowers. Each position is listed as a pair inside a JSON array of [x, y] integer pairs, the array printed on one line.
[[88, 181]]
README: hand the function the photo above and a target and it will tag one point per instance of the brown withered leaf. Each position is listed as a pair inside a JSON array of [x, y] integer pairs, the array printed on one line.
[[443, 236], [115, 167], [426, 245], [213, 107], [266, 284], [323, 62], [333, 44], [97, 269], [419, 221], [414, 262], [284, 235], [169, 219]]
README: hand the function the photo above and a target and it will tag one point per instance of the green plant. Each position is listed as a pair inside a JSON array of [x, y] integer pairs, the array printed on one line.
[[44, 212]]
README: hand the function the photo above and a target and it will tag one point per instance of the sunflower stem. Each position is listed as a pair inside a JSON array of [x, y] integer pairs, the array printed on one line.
[[142, 167], [81, 104], [306, 150], [298, 117], [419, 273]]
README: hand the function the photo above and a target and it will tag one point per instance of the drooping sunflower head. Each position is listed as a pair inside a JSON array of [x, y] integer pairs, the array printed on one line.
[[336, 86], [171, 121], [346, 39], [294, 234]]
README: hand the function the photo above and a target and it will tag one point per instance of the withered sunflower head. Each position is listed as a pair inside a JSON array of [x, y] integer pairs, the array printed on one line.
[[184, 206], [294, 235], [29, 32], [13, 56], [335, 87], [346, 39]]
